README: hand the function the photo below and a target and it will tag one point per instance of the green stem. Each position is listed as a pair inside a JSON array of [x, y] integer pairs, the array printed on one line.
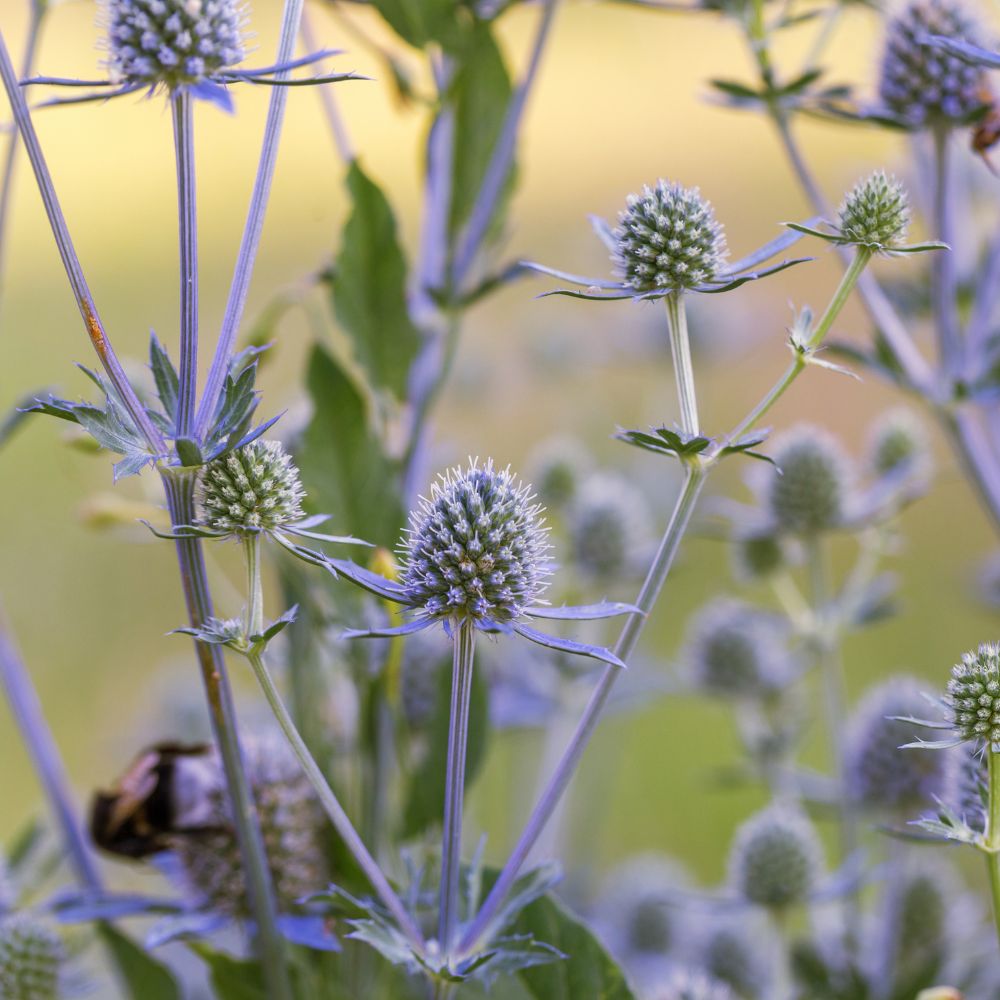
[[819, 332], [680, 349], [454, 797], [253, 621], [993, 834], [331, 804]]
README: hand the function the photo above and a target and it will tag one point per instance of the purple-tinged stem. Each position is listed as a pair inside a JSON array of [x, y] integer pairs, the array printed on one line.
[[254, 223], [326, 95], [38, 12], [37, 739], [502, 157], [71, 262], [944, 283], [454, 788], [179, 487], [187, 215]]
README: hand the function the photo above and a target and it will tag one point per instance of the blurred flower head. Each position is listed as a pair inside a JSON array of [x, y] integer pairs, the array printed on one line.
[[731, 952], [686, 984], [558, 466], [32, 957], [757, 553], [899, 447]]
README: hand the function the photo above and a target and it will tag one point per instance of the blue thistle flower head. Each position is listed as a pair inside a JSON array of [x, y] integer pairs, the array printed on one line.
[[776, 859], [899, 446], [610, 527], [668, 238], [172, 43], [875, 213], [973, 697], [757, 554], [31, 959], [730, 952], [878, 773], [558, 465], [476, 549], [921, 85]]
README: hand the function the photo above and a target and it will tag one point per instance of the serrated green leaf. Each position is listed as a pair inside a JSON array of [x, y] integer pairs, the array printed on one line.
[[144, 975], [369, 288], [165, 376]]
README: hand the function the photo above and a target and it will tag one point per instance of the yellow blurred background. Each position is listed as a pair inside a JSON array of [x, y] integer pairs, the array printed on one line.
[[621, 100]]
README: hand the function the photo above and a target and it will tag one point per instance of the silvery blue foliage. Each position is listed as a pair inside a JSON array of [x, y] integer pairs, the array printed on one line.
[[610, 527], [476, 549], [923, 85], [810, 492], [31, 959], [879, 774], [668, 238], [736, 651], [776, 859], [172, 42]]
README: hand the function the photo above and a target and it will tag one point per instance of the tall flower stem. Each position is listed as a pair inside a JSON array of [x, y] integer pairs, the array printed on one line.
[[179, 487], [39, 8], [944, 285], [331, 804], [993, 833], [254, 226], [835, 708], [680, 349], [253, 621], [454, 794], [187, 212], [44, 754]]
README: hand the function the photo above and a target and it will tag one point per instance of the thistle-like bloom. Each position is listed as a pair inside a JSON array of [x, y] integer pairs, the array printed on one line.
[[668, 238], [730, 953], [292, 823], [921, 85], [736, 652], [559, 464], [31, 959], [477, 552], [172, 43], [808, 496], [254, 488], [776, 859], [973, 698], [875, 212], [878, 773], [609, 527], [757, 554], [899, 447]]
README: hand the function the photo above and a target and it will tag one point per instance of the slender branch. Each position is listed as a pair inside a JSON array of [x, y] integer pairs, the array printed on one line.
[[984, 305], [179, 488], [502, 157], [44, 754], [334, 119], [187, 212], [454, 794], [332, 805], [680, 349], [253, 621], [71, 262], [254, 224], [944, 284], [626, 643], [38, 12], [993, 833]]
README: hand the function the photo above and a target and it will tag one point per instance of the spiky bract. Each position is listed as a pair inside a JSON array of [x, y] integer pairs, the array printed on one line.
[[31, 959], [875, 213], [973, 697]]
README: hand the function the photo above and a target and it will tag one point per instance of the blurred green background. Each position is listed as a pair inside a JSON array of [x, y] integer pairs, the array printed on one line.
[[621, 100]]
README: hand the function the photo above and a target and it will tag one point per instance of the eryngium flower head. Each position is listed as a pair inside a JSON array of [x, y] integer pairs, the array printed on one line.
[[730, 953], [172, 42], [558, 465], [875, 212], [292, 824], [808, 496], [973, 697], [735, 651], [757, 554], [668, 237], [476, 549], [776, 858], [922, 85], [686, 984], [31, 959], [609, 527], [899, 445], [878, 773], [254, 488]]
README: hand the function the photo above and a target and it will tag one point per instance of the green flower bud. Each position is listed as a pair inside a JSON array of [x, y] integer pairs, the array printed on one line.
[[875, 212], [973, 697], [758, 555], [254, 488], [31, 959], [899, 442]]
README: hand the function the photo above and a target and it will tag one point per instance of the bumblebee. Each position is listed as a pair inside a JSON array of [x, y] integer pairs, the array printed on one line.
[[168, 792], [986, 134]]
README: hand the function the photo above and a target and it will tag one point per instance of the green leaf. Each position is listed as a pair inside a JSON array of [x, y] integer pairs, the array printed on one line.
[[144, 975], [165, 376], [425, 799], [369, 288], [231, 978], [343, 462], [421, 21], [588, 973], [481, 93]]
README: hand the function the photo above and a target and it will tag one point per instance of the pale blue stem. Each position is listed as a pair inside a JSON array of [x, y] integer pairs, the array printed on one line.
[[44, 754], [334, 119], [680, 349], [254, 226], [187, 212], [944, 286], [464, 642], [71, 262]]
